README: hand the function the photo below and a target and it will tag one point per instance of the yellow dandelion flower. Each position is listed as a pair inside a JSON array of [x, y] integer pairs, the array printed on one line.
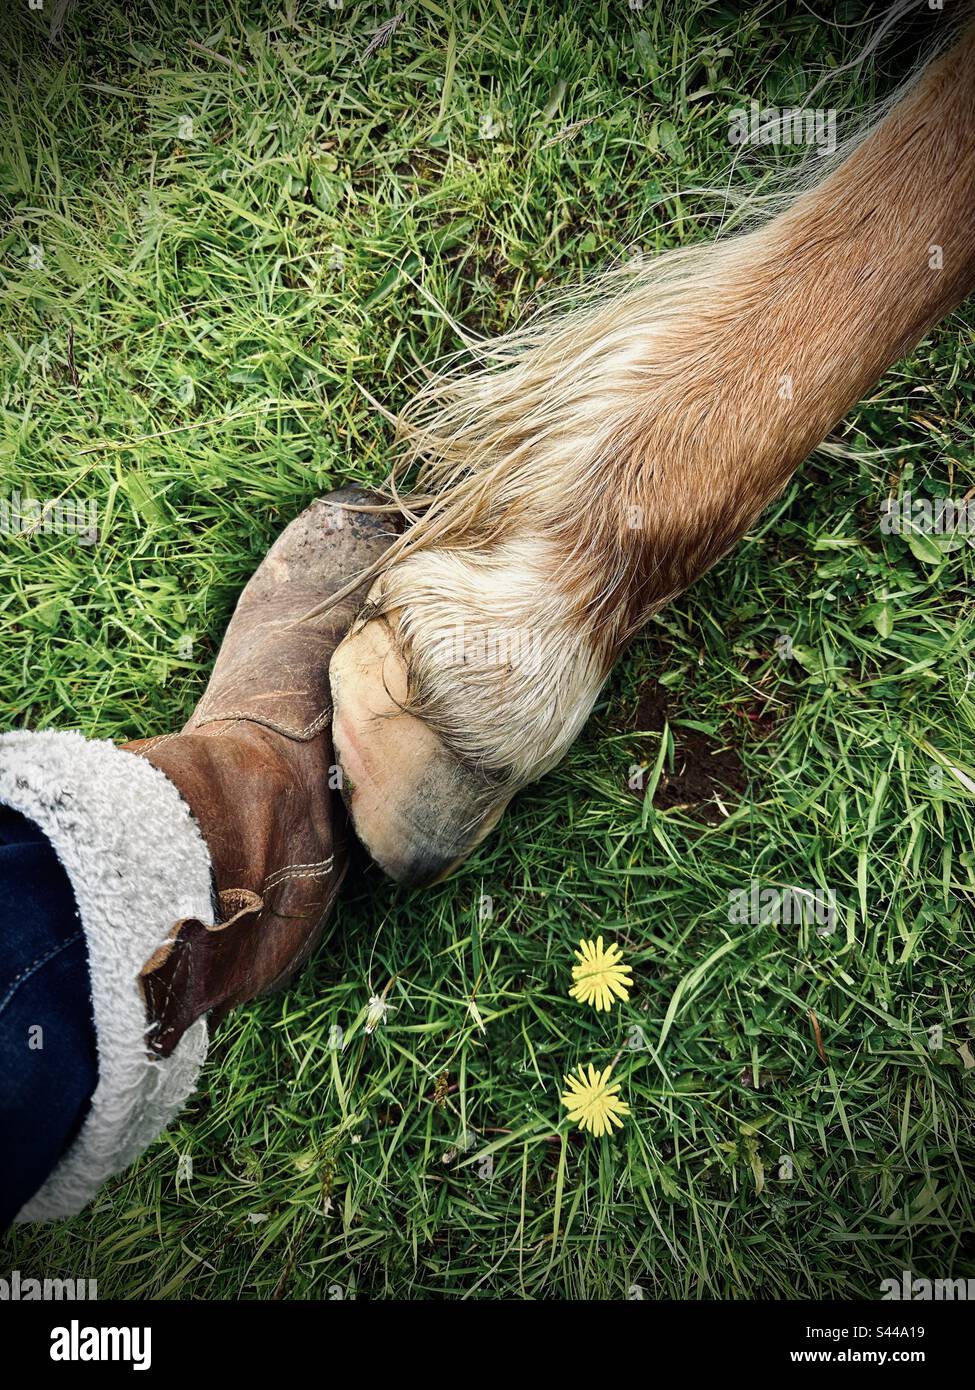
[[592, 1102], [600, 975]]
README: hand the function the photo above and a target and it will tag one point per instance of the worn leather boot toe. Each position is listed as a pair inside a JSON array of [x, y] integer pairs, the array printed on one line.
[[255, 765]]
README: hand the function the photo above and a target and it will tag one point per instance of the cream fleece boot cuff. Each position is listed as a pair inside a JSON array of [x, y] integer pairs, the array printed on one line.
[[137, 864]]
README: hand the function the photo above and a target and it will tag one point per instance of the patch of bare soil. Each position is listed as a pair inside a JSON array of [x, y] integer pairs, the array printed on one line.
[[704, 768]]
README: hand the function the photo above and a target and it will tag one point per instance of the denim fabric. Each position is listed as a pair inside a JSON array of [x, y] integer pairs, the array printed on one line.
[[48, 1059]]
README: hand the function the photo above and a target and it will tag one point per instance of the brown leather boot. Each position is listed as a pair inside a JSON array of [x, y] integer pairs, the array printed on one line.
[[256, 767]]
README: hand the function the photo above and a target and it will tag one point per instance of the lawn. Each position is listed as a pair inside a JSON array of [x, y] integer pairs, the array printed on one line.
[[227, 229]]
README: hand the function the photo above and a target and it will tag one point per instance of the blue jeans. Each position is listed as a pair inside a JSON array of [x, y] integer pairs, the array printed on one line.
[[48, 1060]]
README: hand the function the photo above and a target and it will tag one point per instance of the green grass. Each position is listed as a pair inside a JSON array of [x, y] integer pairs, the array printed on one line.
[[189, 171]]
